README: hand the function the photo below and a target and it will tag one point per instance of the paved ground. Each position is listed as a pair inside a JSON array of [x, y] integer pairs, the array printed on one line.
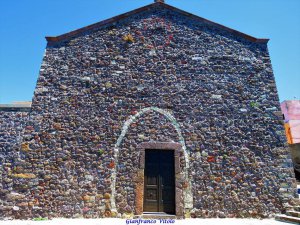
[[135, 222]]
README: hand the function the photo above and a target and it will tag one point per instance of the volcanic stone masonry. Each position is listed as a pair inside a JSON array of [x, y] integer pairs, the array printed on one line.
[[11, 130], [158, 79]]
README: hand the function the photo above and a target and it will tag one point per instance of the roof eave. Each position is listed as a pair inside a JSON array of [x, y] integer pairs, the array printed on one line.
[[54, 39], [246, 36], [98, 24]]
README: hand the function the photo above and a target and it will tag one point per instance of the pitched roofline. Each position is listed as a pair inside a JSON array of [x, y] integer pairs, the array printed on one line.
[[145, 8]]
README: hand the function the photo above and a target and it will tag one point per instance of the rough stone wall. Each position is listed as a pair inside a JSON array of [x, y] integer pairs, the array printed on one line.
[[11, 132], [219, 88]]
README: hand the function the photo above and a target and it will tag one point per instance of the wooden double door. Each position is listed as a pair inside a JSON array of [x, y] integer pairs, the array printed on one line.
[[159, 192]]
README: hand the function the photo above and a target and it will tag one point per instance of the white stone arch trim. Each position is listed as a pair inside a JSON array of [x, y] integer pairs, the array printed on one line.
[[125, 128]]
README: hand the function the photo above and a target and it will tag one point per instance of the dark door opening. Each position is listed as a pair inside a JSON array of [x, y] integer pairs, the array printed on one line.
[[159, 193]]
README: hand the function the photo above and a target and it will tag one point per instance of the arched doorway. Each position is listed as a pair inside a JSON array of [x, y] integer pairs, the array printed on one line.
[[185, 197]]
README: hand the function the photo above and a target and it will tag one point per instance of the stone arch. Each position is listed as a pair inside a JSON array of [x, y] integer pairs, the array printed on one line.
[[124, 130]]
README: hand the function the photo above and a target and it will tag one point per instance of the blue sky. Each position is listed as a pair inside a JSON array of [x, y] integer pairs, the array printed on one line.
[[24, 24]]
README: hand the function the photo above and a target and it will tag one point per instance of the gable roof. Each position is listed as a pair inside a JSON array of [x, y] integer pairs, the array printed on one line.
[[147, 8]]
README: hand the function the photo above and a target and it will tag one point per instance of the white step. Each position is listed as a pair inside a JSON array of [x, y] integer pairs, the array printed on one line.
[[290, 219], [293, 213]]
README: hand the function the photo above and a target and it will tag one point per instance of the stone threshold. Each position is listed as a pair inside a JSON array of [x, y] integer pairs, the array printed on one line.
[[156, 215]]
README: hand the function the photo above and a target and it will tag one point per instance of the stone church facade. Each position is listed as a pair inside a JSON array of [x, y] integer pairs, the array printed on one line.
[[153, 110]]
